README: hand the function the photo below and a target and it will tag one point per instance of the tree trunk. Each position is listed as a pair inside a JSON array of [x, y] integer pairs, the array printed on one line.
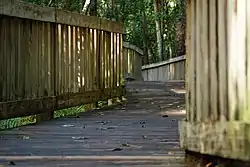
[[93, 8], [85, 6], [145, 39], [158, 31], [67, 5]]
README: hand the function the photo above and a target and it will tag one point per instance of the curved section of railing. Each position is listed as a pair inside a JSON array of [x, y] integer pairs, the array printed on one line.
[[133, 56], [172, 69]]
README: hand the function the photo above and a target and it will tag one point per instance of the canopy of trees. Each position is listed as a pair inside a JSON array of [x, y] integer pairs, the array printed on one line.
[[156, 26]]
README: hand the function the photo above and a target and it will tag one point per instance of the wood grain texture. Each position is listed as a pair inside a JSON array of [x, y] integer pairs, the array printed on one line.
[[192, 74], [227, 139], [18, 8], [137, 127], [28, 107], [213, 59], [24, 10], [51, 60], [172, 69], [218, 114], [188, 47]]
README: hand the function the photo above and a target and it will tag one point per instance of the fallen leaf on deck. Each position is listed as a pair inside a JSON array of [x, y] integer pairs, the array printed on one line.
[[110, 128], [25, 137], [170, 153], [79, 138], [101, 128], [130, 145], [11, 163], [117, 149], [125, 145], [211, 164], [104, 122], [68, 125]]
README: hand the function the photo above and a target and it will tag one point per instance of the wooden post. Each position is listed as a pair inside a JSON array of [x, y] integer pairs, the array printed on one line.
[[218, 52]]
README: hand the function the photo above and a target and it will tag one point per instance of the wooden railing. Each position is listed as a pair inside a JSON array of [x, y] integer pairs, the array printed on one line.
[[133, 57], [218, 79], [52, 59], [172, 69]]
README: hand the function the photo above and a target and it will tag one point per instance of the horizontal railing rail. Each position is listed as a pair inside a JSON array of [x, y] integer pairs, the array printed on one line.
[[52, 59], [172, 69]]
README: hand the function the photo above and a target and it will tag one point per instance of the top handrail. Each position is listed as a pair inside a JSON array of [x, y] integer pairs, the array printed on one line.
[[16, 8], [162, 63], [133, 47]]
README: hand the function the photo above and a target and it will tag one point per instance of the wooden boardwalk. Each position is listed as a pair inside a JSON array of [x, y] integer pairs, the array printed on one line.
[[147, 125]]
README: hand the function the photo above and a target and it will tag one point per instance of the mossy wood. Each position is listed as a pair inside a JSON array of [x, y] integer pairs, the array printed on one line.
[[218, 79]]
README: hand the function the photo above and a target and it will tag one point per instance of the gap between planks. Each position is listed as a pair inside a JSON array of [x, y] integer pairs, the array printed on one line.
[[90, 158]]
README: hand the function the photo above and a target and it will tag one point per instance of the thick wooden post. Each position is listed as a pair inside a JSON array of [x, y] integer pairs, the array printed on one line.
[[218, 66]]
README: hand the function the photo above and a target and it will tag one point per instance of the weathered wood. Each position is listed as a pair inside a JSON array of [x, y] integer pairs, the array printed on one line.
[[142, 134], [247, 116], [228, 139], [121, 59], [163, 63], [237, 75], [192, 64], [75, 99], [69, 18], [188, 48], [218, 109], [48, 59], [27, 107], [205, 60], [223, 57], [90, 158], [20, 9], [132, 56], [109, 59], [16, 8], [213, 58], [132, 47], [102, 57], [20, 108], [198, 60], [172, 69]]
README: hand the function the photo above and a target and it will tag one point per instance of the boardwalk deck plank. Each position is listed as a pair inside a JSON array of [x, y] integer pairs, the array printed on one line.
[[137, 127]]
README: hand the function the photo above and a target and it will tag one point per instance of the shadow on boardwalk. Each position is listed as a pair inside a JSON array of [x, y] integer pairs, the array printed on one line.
[[147, 125]]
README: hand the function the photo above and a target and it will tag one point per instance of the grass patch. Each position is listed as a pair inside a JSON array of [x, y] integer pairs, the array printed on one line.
[[69, 111], [17, 122], [22, 121]]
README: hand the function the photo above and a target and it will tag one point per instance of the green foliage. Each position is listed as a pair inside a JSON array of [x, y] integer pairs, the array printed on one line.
[[21, 121], [171, 14], [73, 111], [16, 122]]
